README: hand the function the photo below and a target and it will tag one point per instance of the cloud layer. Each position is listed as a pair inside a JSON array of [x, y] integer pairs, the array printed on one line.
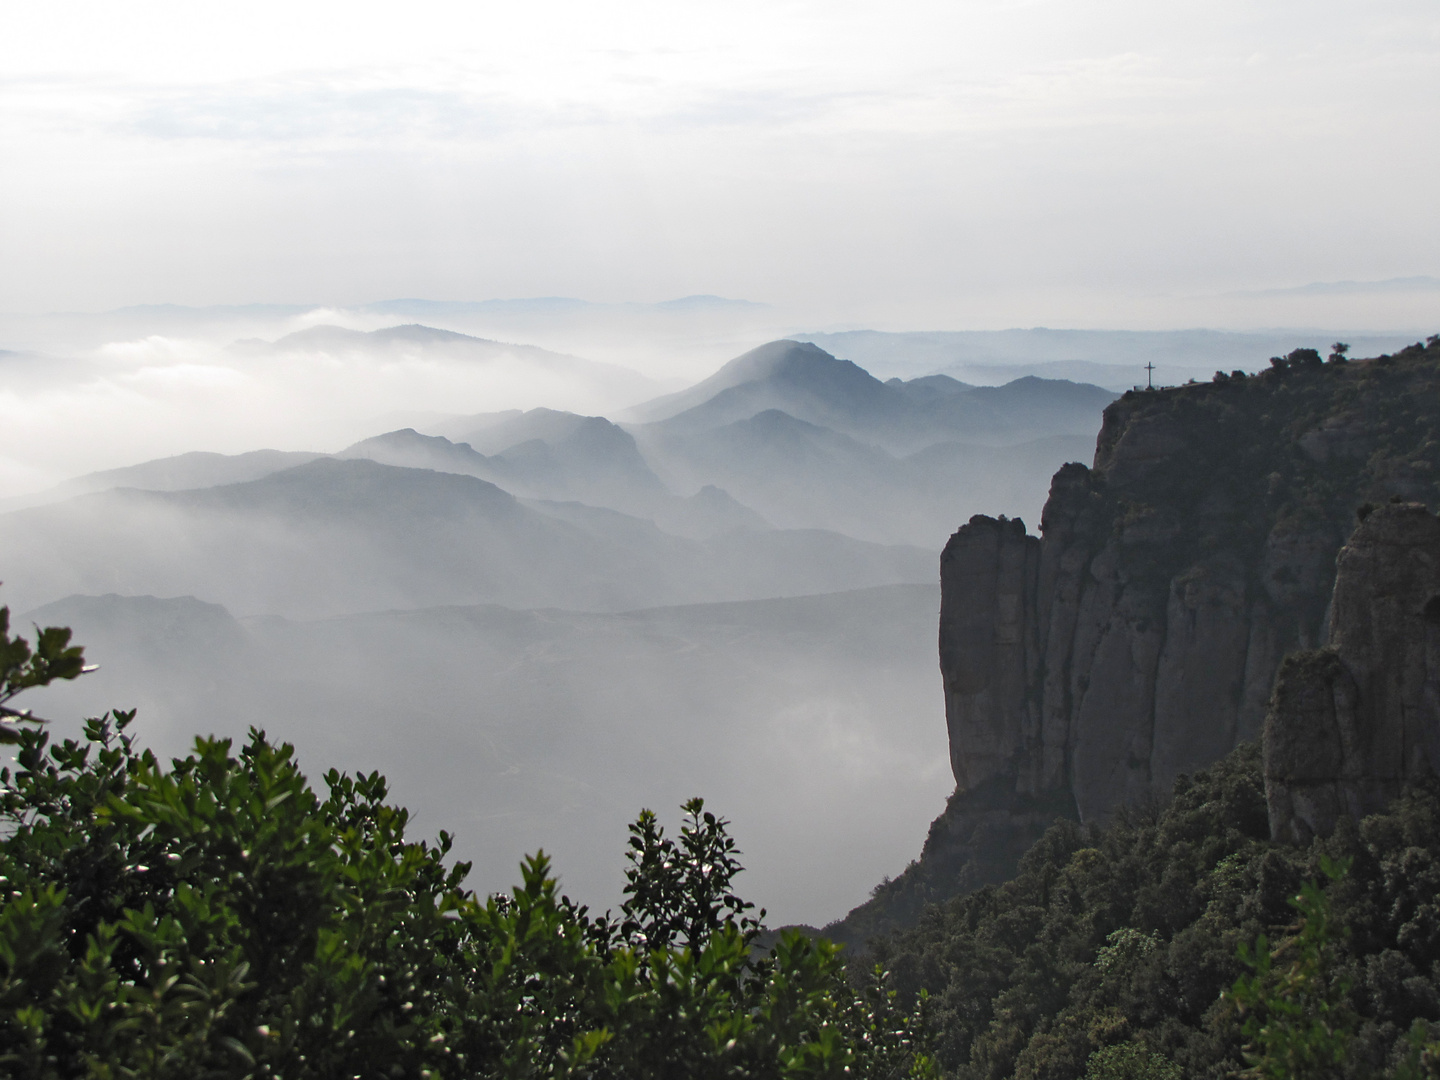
[[925, 164]]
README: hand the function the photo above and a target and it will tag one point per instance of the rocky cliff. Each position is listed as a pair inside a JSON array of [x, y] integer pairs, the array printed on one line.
[[1351, 724], [1139, 635]]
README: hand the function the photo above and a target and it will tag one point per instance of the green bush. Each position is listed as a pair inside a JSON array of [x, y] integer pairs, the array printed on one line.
[[218, 917], [1124, 948], [1129, 1061], [1297, 1018]]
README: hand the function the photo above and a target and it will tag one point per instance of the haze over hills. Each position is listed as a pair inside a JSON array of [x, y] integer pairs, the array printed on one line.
[[153, 386], [809, 440], [520, 730], [484, 605], [807, 383], [340, 536], [788, 435], [197, 469], [697, 331], [488, 600], [542, 371]]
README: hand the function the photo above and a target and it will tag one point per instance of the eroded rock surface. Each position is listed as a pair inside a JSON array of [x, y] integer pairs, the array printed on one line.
[[1352, 723], [1138, 638]]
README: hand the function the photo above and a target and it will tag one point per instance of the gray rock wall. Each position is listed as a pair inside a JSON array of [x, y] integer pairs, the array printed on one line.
[[1139, 636], [1115, 652], [1350, 724], [1066, 671]]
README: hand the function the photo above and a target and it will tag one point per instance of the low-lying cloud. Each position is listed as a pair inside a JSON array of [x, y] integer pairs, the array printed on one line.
[[124, 401]]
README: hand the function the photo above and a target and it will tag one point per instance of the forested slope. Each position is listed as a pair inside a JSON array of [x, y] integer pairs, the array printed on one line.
[[1128, 934]]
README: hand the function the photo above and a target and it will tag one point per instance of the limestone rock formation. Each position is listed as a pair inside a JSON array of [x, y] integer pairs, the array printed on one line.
[[988, 647], [1139, 636], [1352, 723]]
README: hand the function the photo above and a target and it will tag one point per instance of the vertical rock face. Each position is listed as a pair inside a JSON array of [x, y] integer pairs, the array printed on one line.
[[1080, 662], [988, 643], [1351, 723], [1138, 638]]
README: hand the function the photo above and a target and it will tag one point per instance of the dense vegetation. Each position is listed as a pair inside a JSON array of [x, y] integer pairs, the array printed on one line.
[[1117, 950], [217, 917]]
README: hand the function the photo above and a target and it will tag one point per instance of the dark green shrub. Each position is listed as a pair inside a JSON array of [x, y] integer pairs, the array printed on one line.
[[217, 917]]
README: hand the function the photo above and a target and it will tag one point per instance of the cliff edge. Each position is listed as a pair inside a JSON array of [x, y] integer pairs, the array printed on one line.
[[1352, 724], [1138, 637]]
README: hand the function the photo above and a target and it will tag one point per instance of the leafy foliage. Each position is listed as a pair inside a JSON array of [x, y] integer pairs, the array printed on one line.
[[218, 917], [1122, 950], [1298, 1021], [681, 892], [1129, 1061], [23, 667]]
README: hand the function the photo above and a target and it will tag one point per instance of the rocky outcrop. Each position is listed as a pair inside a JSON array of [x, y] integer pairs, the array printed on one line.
[[988, 647], [1139, 636], [1351, 724], [1071, 664], [977, 841]]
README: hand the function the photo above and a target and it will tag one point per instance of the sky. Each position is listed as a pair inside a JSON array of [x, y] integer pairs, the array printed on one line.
[[906, 165]]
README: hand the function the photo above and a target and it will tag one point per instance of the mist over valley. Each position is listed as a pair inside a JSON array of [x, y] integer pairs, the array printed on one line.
[[535, 620]]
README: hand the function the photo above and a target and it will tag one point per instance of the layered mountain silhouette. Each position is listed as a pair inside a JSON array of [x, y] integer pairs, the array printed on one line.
[[785, 437], [197, 469], [335, 536], [561, 604], [585, 459], [807, 383], [504, 367], [413, 336], [807, 440]]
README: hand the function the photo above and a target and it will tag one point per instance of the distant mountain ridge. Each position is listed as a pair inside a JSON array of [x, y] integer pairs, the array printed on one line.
[[777, 361], [804, 381], [1114, 359], [586, 458], [809, 440], [784, 436], [332, 337], [336, 536]]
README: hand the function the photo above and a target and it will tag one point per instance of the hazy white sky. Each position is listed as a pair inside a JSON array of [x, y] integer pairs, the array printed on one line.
[[919, 163]]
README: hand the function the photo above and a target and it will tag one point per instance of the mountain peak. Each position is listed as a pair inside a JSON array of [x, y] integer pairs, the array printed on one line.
[[773, 358], [790, 362]]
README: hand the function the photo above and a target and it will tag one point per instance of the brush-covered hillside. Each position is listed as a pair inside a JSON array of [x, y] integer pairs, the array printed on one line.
[[1126, 937]]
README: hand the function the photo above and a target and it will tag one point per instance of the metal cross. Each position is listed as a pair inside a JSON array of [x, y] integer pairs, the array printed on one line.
[[1149, 377]]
